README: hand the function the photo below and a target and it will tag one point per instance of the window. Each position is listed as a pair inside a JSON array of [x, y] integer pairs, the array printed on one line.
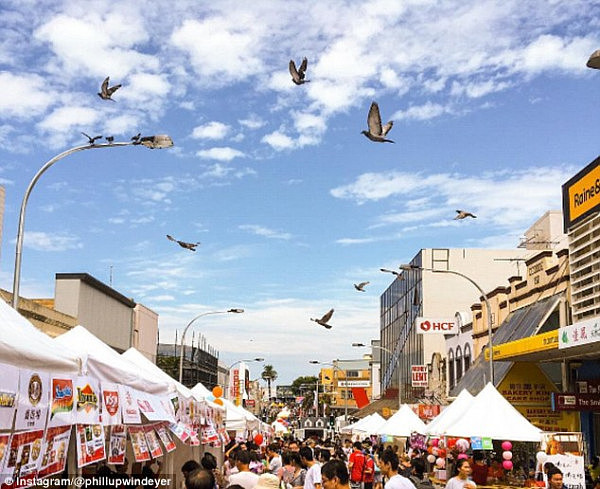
[[467, 357], [440, 258], [459, 365], [352, 373], [450, 364]]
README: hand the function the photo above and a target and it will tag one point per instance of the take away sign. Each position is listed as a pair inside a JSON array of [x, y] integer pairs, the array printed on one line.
[[437, 326]]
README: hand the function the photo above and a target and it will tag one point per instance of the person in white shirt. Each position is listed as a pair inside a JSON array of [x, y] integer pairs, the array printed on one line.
[[244, 477], [313, 474], [274, 458], [388, 464], [462, 479]]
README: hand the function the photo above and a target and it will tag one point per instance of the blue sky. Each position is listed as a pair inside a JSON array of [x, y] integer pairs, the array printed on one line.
[[493, 110]]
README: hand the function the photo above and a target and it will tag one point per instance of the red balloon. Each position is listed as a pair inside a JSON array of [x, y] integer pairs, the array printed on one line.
[[258, 439], [441, 452], [451, 442], [507, 464]]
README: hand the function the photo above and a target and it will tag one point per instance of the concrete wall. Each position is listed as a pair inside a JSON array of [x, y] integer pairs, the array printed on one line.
[[145, 331]]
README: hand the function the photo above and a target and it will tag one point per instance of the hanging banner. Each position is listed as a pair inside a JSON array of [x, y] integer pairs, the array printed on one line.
[[180, 431], [141, 453], [168, 408], [152, 441], [9, 386], [118, 444], [174, 399], [165, 437], [111, 404], [129, 406], [4, 450], [90, 444], [150, 406], [194, 438], [62, 402], [56, 444], [209, 434], [23, 459], [32, 407], [87, 401]]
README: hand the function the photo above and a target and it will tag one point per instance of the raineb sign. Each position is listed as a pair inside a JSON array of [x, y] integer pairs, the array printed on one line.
[[436, 326], [581, 194]]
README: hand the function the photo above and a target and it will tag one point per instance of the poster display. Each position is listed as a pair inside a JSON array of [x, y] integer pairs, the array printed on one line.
[[9, 385], [572, 467], [180, 431], [117, 445], [56, 445], [152, 441], [87, 401], [90, 444], [111, 404], [129, 407], [150, 406], [4, 449], [137, 435], [32, 408], [165, 437], [23, 458], [62, 402]]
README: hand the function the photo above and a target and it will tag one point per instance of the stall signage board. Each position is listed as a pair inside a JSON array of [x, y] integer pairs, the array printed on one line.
[[564, 401], [572, 467], [581, 333], [427, 325], [581, 194], [419, 375]]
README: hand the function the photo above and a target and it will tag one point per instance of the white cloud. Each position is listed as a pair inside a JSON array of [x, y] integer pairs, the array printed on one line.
[[24, 96], [253, 121], [211, 130], [264, 231], [65, 119], [42, 241], [220, 154], [423, 112], [278, 141]]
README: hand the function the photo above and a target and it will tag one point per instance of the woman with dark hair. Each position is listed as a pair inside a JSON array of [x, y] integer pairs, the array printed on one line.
[[297, 477], [334, 475], [462, 478]]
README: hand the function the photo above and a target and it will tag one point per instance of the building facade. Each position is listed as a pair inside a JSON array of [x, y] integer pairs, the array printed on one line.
[[200, 363]]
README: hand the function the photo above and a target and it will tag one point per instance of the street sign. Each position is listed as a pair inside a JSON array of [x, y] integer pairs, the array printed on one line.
[[419, 375]]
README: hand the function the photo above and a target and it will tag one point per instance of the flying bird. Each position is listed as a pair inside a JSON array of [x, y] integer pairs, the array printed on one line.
[[91, 140], [463, 214], [110, 139], [361, 286], [183, 244], [298, 74], [136, 138], [323, 321], [398, 274], [376, 132], [106, 92]]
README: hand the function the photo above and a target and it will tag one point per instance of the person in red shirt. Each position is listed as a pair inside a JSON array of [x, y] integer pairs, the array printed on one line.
[[356, 466], [369, 471], [479, 469]]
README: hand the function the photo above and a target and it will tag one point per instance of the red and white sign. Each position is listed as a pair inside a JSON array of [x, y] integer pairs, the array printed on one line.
[[437, 326], [419, 375]]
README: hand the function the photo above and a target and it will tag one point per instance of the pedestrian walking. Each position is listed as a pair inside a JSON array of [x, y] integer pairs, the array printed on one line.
[[334, 475], [313, 472], [462, 478], [356, 466], [388, 464]]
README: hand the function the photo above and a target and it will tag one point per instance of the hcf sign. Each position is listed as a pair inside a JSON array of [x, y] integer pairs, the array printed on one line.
[[436, 326]]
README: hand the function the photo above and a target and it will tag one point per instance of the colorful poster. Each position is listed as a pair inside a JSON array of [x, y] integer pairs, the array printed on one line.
[[23, 458], [129, 407], [111, 404], [180, 431], [87, 401], [174, 398], [141, 452], [117, 446], [9, 385], [194, 438], [62, 402], [165, 437], [152, 441], [4, 448], [90, 444], [168, 408], [572, 467], [56, 445], [32, 408], [209, 434], [150, 406]]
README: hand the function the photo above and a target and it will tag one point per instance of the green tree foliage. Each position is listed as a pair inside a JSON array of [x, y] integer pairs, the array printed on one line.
[[269, 374]]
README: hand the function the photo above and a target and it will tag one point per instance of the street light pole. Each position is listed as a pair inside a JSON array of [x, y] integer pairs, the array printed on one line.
[[335, 367], [397, 365], [485, 299], [181, 346], [153, 142]]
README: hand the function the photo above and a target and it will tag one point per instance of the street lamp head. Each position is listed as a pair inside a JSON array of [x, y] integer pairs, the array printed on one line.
[[314, 362], [408, 266], [259, 359], [160, 141], [594, 61], [358, 344], [236, 310]]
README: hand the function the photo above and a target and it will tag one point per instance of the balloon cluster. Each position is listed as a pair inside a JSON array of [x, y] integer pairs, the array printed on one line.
[[507, 455], [218, 392]]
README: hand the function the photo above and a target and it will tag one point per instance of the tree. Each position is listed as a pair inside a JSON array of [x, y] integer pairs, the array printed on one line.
[[269, 374], [300, 383]]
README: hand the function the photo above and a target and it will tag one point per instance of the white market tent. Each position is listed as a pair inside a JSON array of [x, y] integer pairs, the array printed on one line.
[[106, 364], [355, 426], [402, 423], [23, 345], [491, 415], [374, 422], [236, 417], [451, 414]]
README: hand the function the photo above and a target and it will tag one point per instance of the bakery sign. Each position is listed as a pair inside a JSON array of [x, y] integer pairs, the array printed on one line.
[[436, 326]]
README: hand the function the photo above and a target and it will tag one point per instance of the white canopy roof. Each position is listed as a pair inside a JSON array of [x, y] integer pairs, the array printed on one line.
[[451, 414], [356, 426], [106, 364], [402, 423], [374, 422], [23, 345], [491, 415], [236, 418]]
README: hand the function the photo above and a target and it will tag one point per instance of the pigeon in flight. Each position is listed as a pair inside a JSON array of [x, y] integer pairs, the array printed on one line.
[[324, 319], [183, 244], [361, 286], [398, 274], [298, 74], [91, 140], [106, 92], [376, 132], [463, 214]]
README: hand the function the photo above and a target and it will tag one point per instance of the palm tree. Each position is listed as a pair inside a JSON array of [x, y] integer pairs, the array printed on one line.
[[269, 374]]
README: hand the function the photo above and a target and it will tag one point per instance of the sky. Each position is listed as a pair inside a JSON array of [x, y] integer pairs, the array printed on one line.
[[493, 109]]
